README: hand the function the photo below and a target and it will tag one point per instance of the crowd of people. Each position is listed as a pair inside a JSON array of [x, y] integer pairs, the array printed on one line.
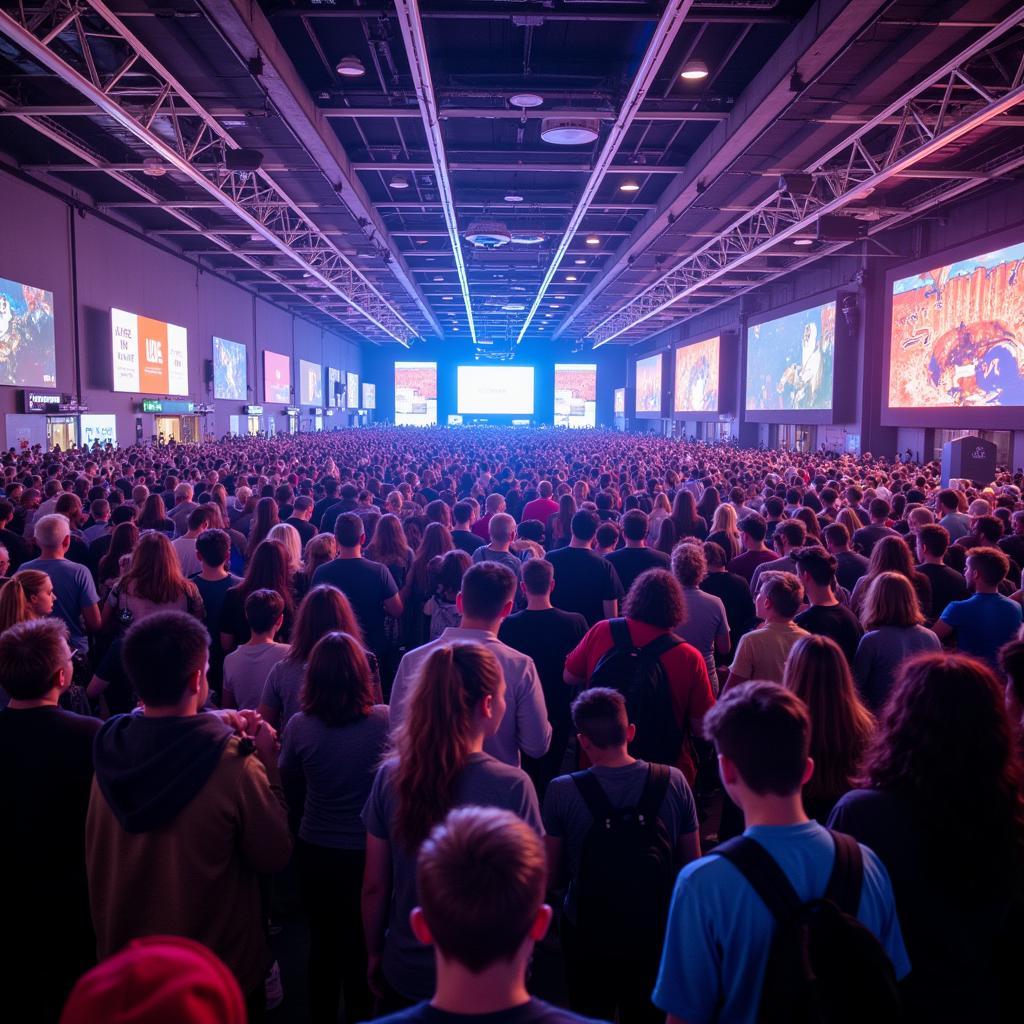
[[734, 735]]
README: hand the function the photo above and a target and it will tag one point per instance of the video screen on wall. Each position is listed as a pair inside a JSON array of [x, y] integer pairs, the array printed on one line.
[[98, 427], [369, 396], [575, 394], [277, 377], [150, 356], [495, 390], [28, 346], [229, 370], [620, 402], [957, 340], [648, 386], [333, 388], [790, 361], [311, 383], [415, 394], [696, 377], [351, 390]]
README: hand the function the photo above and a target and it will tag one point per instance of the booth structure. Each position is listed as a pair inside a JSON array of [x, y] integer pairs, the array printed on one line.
[[969, 458]]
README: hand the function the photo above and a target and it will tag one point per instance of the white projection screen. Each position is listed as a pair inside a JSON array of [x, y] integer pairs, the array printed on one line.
[[495, 390]]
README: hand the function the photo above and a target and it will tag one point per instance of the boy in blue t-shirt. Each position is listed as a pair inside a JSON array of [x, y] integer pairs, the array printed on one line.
[[986, 621], [719, 930]]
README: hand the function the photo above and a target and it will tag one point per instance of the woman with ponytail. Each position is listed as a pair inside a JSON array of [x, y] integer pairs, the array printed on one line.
[[26, 595], [437, 762]]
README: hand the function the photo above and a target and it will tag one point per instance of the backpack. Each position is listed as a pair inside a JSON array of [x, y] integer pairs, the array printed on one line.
[[824, 966], [626, 870], [638, 674]]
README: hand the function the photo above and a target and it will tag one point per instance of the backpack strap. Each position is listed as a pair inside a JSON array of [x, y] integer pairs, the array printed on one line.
[[654, 792], [593, 795], [660, 645], [844, 884], [763, 874], [621, 639]]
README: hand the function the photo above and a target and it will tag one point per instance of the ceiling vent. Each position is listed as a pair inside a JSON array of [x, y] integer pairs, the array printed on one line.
[[488, 234], [566, 131]]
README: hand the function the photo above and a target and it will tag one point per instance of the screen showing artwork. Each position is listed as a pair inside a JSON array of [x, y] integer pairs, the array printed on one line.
[[620, 402], [495, 390], [229, 369], [648, 385], [416, 394], [333, 388], [98, 427], [28, 347], [696, 377], [311, 383], [575, 394], [150, 356], [277, 377], [369, 396], [351, 390], [790, 361], [958, 334]]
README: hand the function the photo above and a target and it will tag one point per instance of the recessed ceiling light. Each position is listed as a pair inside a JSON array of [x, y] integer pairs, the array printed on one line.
[[580, 263], [513, 197], [629, 186], [803, 241], [447, 298], [694, 71], [526, 99], [154, 167], [593, 240], [555, 305], [562, 131], [421, 241], [398, 182], [438, 278], [527, 238], [570, 277], [454, 328], [559, 296], [513, 307], [350, 67]]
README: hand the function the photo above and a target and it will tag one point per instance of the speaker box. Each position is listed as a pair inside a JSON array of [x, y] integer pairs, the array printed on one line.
[[208, 370], [969, 458]]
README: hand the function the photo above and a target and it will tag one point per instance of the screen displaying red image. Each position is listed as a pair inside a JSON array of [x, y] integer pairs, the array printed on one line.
[[277, 377], [696, 379]]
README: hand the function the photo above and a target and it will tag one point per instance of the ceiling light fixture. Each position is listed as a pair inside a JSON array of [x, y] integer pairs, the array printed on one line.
[[580, 263], [439, 279], [561, 131], [513, 307], [513, 197], [629, 186], [593, 240], [570, 277], [527, 238], [350, 67], [694, 71], [154, 167], [803, 241], [398, 182], [526, 100]]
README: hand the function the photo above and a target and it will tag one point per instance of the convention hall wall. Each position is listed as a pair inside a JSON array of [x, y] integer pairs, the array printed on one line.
[[49, 244]]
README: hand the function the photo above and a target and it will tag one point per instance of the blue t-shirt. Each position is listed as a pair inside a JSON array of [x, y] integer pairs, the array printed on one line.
[[73, 591], [719, 931], [983, 623]]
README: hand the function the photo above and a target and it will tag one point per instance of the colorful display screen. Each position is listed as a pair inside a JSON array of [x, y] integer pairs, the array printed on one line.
[[101, 427], [495, 390], [575, 394], [311, 383], [696, 377], [229, 369], [277, 377], [150, 356], [28, 347], [958, 334], [648, 385], [333, 388], [415, 394], [351, 390], [790, 361], [369, 396], [620, 402]]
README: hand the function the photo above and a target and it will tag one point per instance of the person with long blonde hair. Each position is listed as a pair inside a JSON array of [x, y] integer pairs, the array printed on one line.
[[287, 535], [27, 595], [320, 550], [437, 762], [724, 532], [841, 727]]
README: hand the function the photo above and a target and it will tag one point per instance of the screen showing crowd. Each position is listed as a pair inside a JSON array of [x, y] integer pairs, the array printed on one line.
[[648, 385], [575, 394], [415, 394], [696, 380], [958, 334], [790, 361]]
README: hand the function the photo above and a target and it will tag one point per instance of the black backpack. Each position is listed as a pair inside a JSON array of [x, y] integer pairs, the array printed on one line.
[[824, 966], [638, 674], [626, 872]]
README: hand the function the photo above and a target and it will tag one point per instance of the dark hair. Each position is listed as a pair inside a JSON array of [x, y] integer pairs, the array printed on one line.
[[30, 656], [948, 498], [766, 732], [159, 654], [213, 547], [655, 598], [199, 516], [122, 542], [600, 715], [607, 535], [448, 569], [348, 530], [537, 575], [634, 524], [264, 519], [879, 508], [714, 555], [792, 531], [836, 533], [262, 609], [325, 609], [338, 686], [816, 562], [584, 524], [754, 525], [462, 512], [945, 744], [990, 564], [1011, 664], [934, 539], [486, 588], [269, 569]]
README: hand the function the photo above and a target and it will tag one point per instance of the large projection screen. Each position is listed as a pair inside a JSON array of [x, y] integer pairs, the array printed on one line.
[[229, 369], [495, 390], [351, 390], [277, 377], [311, 383], [954, 352], [150, 357], [696, 379], [415, 394], [790, 366], [575, 394], [649, 386], [28, 345]]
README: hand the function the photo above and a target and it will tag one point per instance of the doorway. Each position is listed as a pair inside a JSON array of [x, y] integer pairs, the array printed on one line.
[[62, 432]]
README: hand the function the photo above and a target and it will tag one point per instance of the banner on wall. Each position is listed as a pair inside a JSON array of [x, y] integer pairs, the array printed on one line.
[[149, 356]]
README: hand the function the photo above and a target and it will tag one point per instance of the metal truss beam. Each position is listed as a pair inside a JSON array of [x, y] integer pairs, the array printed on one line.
[[850, 171], [524, 166], [75, 41]]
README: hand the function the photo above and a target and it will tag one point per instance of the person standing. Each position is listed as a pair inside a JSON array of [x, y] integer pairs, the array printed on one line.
[[585, 582], [816, 571], [635, 557]]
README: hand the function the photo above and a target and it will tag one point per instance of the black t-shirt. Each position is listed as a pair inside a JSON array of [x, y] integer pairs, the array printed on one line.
[[947, 585], [536, 1011], [1012, 545], [547, 636], [583, 580], [734, 592], [467, 541], [849, 568], [367, 585], [631, 562], [837, 623]]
